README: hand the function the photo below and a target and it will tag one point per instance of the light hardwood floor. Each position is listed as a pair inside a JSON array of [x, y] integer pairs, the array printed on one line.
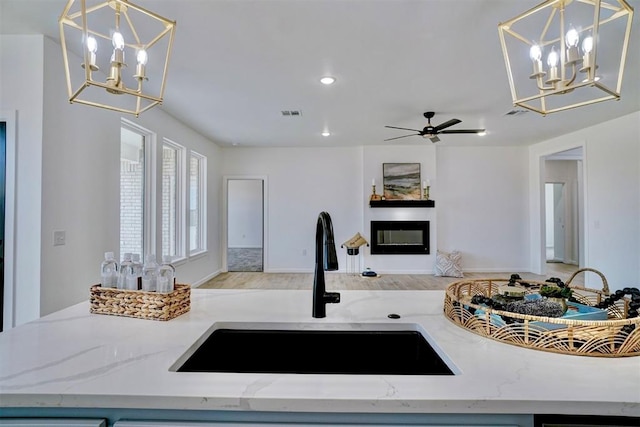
[[343, 281]]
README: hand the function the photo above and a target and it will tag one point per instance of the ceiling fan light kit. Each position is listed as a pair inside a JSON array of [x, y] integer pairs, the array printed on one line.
[[431, 132], [583, 44], [106, 35]]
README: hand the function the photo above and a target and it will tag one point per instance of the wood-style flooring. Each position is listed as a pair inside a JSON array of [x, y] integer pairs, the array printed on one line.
[[344, 281]]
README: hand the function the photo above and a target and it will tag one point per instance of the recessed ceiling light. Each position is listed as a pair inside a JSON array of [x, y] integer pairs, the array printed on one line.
[[482, 133], [327, 80], [325, 133]]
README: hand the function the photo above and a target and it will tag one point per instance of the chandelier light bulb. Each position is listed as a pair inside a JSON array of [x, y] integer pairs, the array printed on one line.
[[92, 48], [587, 45], [552, 59], [588, 65], [117, 40], [552, 62], [535, 53], [117, 57], [92, 44], [142, 57], [572, 38]]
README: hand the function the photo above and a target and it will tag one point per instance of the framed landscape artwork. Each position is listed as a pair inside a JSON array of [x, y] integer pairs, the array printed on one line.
[[401, 181]]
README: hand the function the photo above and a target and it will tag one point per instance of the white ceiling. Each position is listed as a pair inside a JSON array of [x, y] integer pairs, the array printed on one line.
[[237, 64]]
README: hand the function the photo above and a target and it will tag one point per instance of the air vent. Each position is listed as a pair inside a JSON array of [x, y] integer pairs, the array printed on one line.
[[291, 113], [516, 112]]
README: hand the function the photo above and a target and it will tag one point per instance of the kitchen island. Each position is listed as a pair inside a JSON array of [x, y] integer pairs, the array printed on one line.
[[73, 363]]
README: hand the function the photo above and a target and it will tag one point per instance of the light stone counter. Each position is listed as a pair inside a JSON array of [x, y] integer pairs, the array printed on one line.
[[73, 359]]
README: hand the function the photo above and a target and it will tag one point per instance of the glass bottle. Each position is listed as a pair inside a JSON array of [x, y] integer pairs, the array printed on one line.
[[135, 281], [109, 271], [125, 268], [166, 275], [150, 274]]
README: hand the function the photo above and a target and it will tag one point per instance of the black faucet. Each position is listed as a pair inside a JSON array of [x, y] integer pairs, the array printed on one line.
[[326, 259]]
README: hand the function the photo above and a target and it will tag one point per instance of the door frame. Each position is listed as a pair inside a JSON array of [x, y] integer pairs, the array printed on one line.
[[537, 201], [8, 311], [265, 218]]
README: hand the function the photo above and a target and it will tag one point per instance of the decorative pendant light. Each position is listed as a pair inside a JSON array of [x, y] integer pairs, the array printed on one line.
[[583, 44], [116, 54]]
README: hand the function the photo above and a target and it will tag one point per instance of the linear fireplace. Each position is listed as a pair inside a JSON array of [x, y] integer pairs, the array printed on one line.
[[399, 237]]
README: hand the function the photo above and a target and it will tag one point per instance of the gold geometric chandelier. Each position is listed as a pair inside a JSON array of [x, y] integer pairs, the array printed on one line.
[[116, 54], [583, 44]]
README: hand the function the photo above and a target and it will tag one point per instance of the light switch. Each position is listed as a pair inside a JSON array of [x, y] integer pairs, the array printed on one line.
[[59, 238]]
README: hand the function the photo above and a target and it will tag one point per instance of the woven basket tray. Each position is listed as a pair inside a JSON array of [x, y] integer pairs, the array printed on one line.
[[140, 304], [601, 338]]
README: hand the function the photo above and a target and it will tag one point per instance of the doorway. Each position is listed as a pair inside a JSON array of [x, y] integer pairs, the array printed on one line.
[[564, 207], [555, 219], [3, 181], [7, 213], [245, 225]]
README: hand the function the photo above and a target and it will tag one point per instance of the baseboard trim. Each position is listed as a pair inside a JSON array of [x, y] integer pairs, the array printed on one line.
[[205, 279], [416, 272], [428, 272], [286, 270], [498, 270]]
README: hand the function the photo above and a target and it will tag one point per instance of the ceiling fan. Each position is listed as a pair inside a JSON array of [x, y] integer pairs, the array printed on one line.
[[432, 132]]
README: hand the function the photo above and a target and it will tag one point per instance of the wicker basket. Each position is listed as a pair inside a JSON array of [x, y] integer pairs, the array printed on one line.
[[140, 304], [602, 338]]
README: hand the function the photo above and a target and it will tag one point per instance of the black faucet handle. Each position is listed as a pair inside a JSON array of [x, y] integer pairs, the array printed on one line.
[[331, 297]]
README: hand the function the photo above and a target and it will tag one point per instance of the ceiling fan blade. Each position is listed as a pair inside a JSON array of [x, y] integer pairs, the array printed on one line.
[[447, 124], [394, 127], [463, 131], [404, 136], [434, 139]]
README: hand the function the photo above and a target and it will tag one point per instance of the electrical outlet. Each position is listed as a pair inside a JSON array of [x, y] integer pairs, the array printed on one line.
[[304, 252], [59, 238]]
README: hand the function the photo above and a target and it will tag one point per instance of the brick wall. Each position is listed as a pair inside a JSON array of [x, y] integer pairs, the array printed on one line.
[[169, 201], [131, 207]]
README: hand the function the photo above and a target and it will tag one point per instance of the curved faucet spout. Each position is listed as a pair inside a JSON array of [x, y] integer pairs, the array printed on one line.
[[326, 259]]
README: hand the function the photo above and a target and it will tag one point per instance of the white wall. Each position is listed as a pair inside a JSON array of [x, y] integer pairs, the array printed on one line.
[[612, 199], [477, 211], [68, 169], [21, 89], [302, 183], [482, 206]]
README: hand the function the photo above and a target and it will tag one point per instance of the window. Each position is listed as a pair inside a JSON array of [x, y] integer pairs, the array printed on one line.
[[132, 190], [197, 203], [162, 196], [173, 206]]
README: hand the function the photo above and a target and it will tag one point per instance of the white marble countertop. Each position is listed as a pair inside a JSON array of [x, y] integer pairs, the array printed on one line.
[[75, 359]]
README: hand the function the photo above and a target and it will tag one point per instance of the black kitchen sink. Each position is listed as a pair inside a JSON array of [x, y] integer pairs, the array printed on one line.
[[370, 352]]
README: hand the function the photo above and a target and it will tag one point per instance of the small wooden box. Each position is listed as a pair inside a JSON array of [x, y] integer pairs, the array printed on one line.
[[140, 304]]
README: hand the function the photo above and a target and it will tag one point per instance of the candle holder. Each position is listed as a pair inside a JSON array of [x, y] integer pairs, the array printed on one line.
[[374, 196], [425, 193]]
